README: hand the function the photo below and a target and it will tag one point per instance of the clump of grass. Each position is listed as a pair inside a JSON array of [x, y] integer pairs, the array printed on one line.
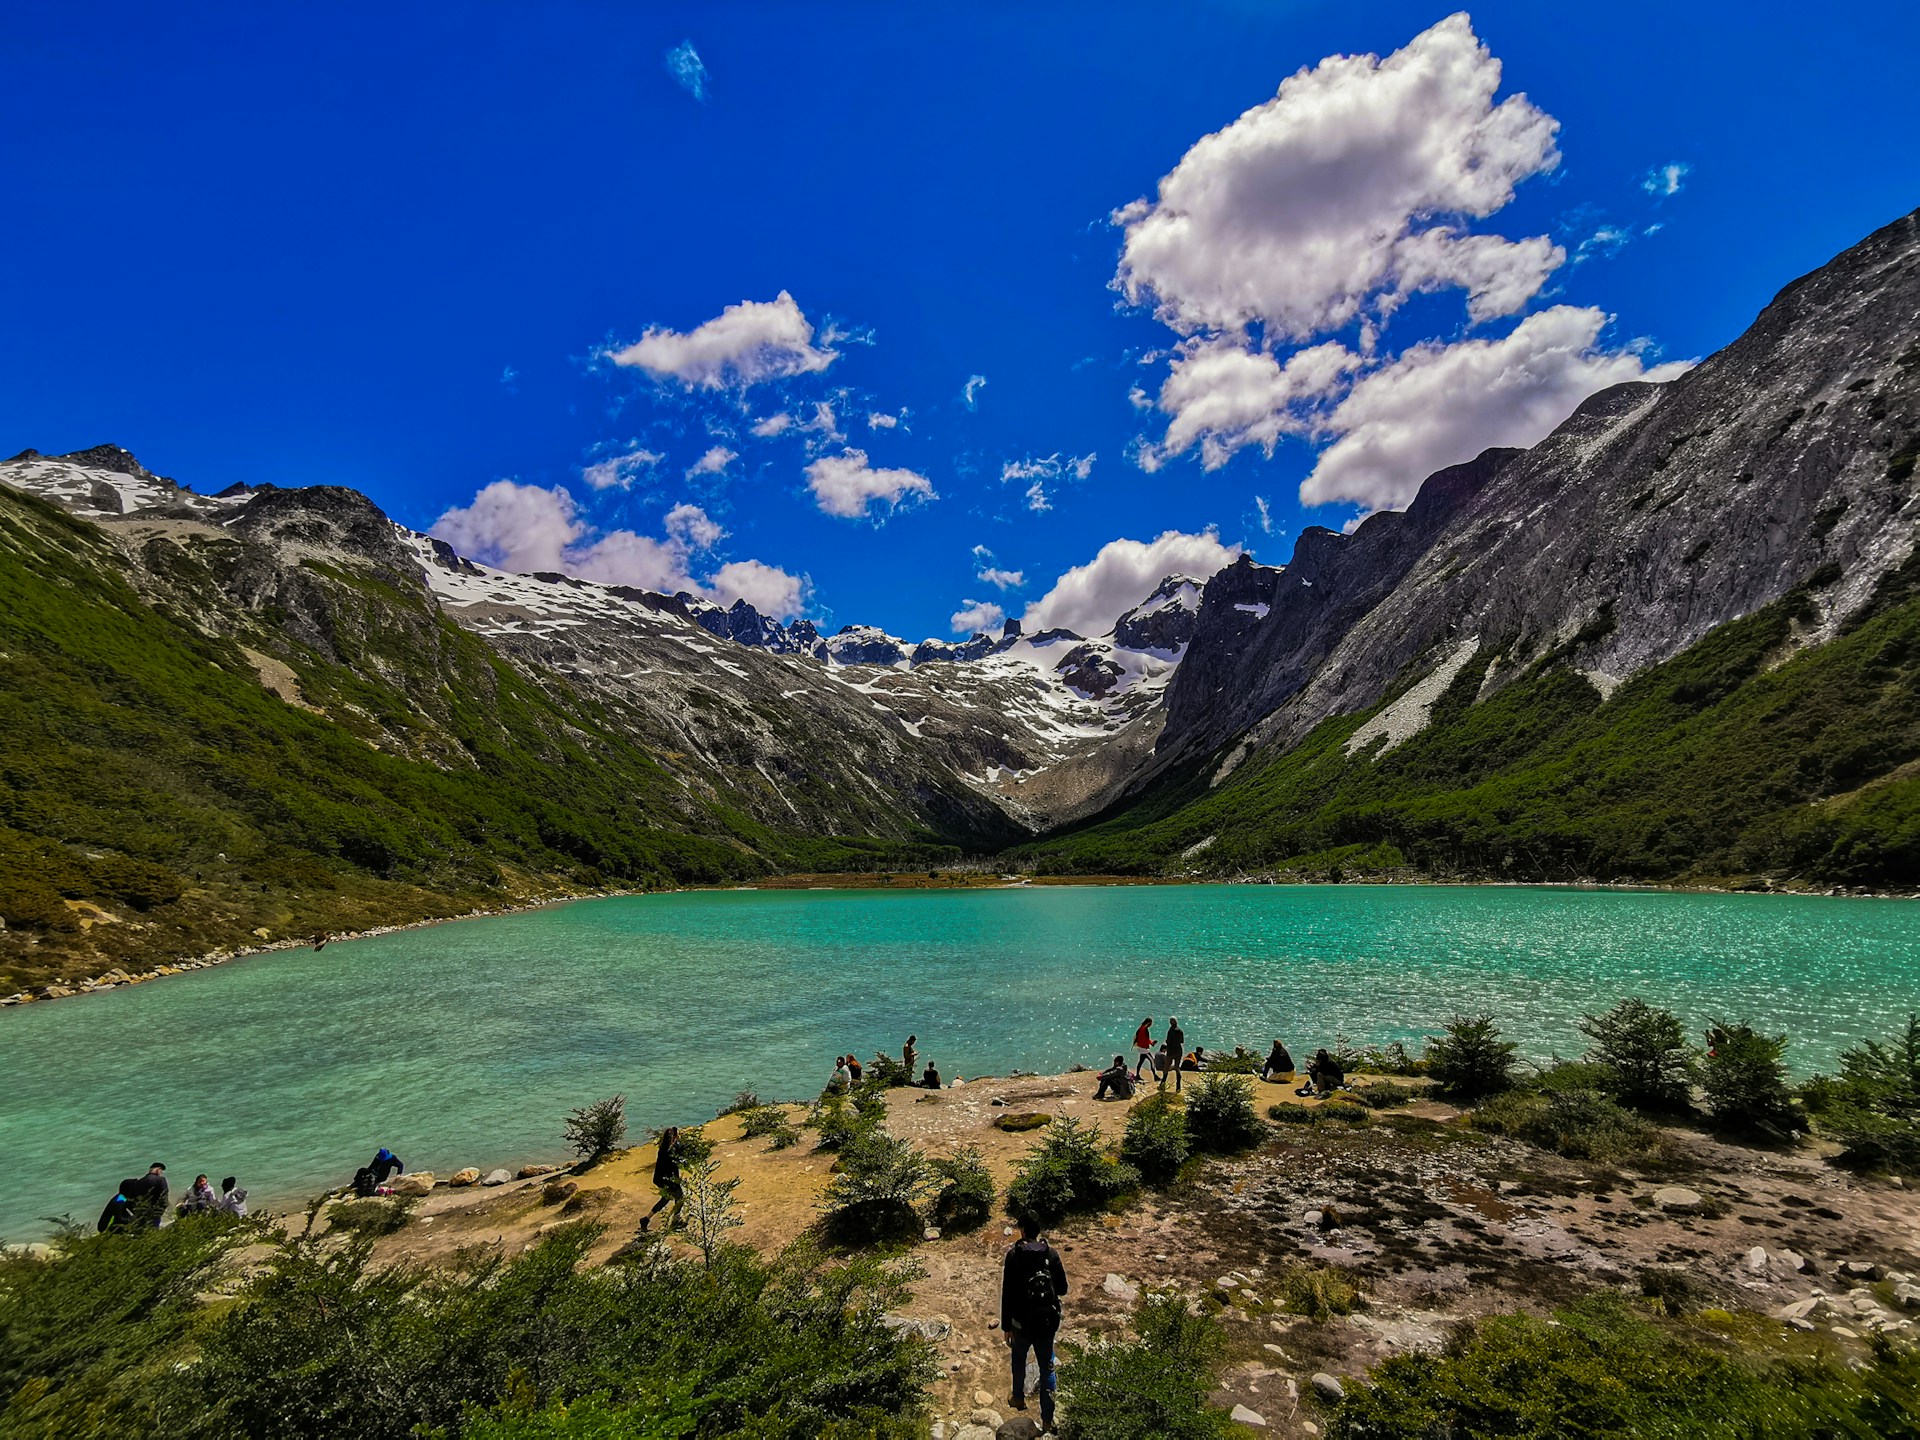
[[1023, 1122], [1579, 1124], [1316, 1291], [1386, 1095], [371, 1217]]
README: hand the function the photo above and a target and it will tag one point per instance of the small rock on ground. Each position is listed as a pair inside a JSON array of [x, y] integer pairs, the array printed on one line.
[[1243, 1416], [1678, 1197], [496, 1177], [1328, 1388]]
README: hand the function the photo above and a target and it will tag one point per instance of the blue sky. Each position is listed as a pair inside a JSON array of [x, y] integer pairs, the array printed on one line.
[[401, 249]]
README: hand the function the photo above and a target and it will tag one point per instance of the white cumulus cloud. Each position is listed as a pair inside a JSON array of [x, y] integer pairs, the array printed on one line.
[[880, 420], [745, 344], [1668, 179], [714, 462], [992, 574], [976, 615], [618, 472], [766, 429], [848, 486], [1225, 396], [1297, 212], [1437, 405], [528, 528], [1089, 598]]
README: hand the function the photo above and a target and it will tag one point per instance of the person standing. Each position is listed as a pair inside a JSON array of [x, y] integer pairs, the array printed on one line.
[[1143, 1046], [118, 1215], [1032, 1282], [666, 1179], [147, 1196], [908, 1055], [1176, 1050]]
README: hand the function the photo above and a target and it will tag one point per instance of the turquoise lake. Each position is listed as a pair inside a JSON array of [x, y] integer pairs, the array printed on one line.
[[467, 1043]]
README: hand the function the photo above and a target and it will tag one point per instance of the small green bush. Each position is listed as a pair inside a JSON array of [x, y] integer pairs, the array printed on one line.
[[757, 1120], [1873, 1107], [1221, 1118], [374, 1216], [1241, 1062], [877, 1189], [1316, 1291], [1343, 1112], [965, 1198], [1745, 1083], [838, 1124], [1386, 1095], [1155, 1142], [1068, 1170], [1154, 1387], [1390, 1059], [887, 1072], [1644, 1050], [742, 1100], [594, 1130], [1285, 1114], [1471, 1061], [1599, 1370], [1580, 1124]]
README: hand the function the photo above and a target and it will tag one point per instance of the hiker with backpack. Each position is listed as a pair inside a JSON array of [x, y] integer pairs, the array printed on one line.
[[666, 1179], [1032, 1282]]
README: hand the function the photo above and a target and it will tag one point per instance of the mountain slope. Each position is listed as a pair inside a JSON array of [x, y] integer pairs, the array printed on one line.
[[1439, 681]]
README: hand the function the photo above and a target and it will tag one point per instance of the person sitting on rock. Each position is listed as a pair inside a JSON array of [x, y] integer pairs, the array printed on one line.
[[853, 1068], [666, 1179], [931, 1079], [1116, 1079], [1278, 1065], [1324, 1074], [233, 1199], [199, 1197], [842, 1077], [1197, 1060], [1032, 1282]]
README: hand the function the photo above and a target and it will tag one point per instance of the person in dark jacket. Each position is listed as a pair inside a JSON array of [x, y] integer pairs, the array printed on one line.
[[1032, 1282], [666, 1179], [931, 1079], [1115, 1079], [118, 1215], [386, 1163], [1032, 1287], [1279, 1064], [1176, 1054], [148, 1196]]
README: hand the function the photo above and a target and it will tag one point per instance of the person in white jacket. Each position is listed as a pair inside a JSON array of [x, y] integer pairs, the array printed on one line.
[[233, 1199]]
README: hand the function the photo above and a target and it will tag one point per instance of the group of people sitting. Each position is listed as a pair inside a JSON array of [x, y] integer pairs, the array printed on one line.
[[1325, 1074], [847, 1069], [142, 1201]]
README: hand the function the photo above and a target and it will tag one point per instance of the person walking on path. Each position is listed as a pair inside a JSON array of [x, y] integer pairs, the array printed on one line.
[[1032, 1282], [1143, 1046], [666, 1179]]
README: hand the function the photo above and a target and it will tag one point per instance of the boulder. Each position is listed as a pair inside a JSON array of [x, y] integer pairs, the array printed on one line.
[[1328, 1389], [973, 1432], [557, 1190], [527, 1172], [1907, 1296], [496, 1177], [982, 1398], [468, 1176], [1243, 1416], [1757, 1259], [985, 1415], [1860, 1270], [417, 1184], [1119, 1289], [1798, 1310], [1678, 1198], [1018, 1427]]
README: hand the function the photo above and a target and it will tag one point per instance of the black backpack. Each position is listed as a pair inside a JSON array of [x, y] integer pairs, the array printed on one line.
[[1042, 1300], [363, 1181]]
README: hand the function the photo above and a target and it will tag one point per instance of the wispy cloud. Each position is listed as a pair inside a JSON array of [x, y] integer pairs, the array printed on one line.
[[1049, 470], [686, 67], [1266, 515], [1668, 179], [985, 569], [1603, 243], [970, 392]]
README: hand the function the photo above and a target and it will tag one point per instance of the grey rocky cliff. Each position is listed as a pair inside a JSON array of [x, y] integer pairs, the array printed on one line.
[[1650, 517]]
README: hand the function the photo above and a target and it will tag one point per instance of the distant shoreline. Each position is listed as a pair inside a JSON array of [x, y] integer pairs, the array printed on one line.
[[884, 881]]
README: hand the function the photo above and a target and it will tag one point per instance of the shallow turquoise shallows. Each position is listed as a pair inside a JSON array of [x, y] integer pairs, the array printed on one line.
[[467, 1043]]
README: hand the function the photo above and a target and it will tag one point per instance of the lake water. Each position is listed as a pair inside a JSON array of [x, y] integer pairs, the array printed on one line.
[[467, 1043]]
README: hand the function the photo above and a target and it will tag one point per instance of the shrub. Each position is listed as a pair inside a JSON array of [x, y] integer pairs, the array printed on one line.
[[1316, 1291], [1386, 1095], [1241, 1062], [1154, 1387], [1746, 1085], [839, 1126], [1068, 1170], [1221, 1117], [594, 1130], [1645, 1052], [1343, 1112], [1155, 1142], [1873, 1108], [876, 1189], [374, 1216], [1596, 1369], [742, 1100], [757, 1120], [965, 1198], [1390, 1059], [1470, 1061], [709, 1211], [1287, 1114], [887, 1072], [1580, 1124]]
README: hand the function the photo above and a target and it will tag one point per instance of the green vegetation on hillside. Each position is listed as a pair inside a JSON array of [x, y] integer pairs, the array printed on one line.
[[149, 775], [1721, 761]]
